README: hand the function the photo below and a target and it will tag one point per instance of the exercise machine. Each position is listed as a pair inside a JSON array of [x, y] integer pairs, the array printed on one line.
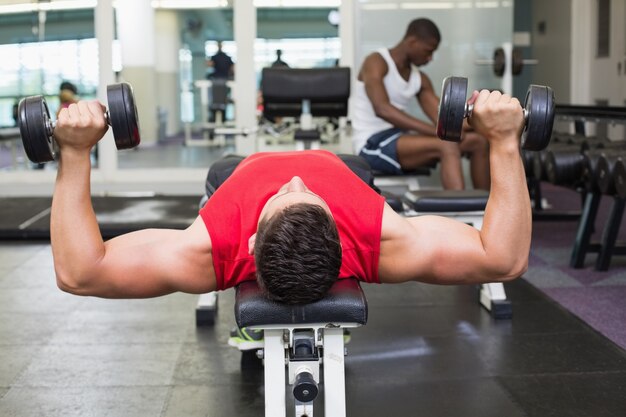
[[306, 93]]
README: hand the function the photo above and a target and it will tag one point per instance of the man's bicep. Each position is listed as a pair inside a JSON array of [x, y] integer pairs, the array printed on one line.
[[154, 262], [433, 249]]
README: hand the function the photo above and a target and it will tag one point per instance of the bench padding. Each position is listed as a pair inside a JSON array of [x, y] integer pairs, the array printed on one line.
[[443, 201], [344, 303]]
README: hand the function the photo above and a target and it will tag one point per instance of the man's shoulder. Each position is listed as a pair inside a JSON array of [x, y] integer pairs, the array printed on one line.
[[375, 57], [375, 63]]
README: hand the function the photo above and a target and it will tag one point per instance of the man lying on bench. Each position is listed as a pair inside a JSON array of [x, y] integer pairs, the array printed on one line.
[[295, 222]]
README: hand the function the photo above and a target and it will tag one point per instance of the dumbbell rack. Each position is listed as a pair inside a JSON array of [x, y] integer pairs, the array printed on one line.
[[608, 246], [577, 115]]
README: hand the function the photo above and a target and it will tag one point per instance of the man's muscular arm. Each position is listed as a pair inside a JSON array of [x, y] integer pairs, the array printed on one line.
[[372, 73], [140, 264], [428, 99], [444, 251]]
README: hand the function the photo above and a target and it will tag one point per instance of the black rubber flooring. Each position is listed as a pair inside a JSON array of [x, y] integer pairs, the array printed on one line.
[[426, 351], [29, 217]]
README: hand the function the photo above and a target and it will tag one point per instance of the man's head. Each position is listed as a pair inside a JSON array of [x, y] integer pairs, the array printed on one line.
[[422, 38], [66, 85], [296, 248]]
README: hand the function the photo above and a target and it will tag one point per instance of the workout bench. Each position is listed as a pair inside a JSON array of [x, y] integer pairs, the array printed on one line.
[[303, 337]]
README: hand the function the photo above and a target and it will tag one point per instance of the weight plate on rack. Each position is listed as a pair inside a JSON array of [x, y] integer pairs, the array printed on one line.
[[499, 62]]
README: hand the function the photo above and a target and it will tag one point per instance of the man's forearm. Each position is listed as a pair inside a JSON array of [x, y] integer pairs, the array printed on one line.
[[507, 225], [76, 240], [405, 121]]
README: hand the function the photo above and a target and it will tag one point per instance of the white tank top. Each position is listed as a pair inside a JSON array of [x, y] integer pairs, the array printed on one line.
[[365, 123]]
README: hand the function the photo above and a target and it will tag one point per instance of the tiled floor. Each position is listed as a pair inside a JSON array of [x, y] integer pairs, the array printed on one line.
[[426, 350]]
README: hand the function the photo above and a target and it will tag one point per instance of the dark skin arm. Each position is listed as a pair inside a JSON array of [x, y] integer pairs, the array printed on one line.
[[428, 100], [372, 73]]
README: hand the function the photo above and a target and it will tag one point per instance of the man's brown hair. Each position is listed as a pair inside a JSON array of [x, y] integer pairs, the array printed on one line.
[[297, 254]]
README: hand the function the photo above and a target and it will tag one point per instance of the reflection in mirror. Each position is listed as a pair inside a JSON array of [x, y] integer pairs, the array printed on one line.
[[61, 71], [190, 98], [206, 60]]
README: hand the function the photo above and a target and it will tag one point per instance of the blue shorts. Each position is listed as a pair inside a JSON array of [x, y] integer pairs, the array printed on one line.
[[380, 151]]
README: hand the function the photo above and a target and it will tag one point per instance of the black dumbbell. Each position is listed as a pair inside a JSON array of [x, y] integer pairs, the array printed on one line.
[[37, 129], [538, 113]]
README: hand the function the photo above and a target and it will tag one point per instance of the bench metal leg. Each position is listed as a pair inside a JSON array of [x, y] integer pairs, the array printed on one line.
[[302, 145], [274, 351], [492, 295], [206, 310], [304, 409], [493, 298], [334, 376]]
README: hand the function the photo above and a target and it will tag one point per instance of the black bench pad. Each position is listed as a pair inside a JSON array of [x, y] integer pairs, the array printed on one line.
[[344, 303], [437, 201], [311, 134]]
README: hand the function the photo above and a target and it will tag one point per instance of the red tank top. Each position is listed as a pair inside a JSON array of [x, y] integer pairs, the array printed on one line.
[[232, 212]]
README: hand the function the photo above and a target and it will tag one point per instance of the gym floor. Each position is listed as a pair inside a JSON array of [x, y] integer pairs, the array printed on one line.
[[426, 350]]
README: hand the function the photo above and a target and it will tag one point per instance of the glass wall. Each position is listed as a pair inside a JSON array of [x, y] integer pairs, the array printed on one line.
[[307, 36], [295, 52], [69, 52], [39, 68]]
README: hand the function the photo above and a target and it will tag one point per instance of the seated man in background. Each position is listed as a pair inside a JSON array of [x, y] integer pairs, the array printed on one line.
[[295, 221], [389, 138]]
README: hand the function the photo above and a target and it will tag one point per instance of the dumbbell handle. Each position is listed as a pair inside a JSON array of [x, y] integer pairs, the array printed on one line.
[[53, 123], [529, 61], [469, 108]]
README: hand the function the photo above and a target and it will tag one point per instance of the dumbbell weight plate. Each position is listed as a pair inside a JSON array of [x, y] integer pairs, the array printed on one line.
[[539, 105], [518, 61], [452, 108], [33, 120], [123, 115], [499, 62]]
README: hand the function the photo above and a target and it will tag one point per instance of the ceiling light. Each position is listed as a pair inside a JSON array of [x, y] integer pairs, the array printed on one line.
[[189, 4], [427, 5], [47, 6]]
